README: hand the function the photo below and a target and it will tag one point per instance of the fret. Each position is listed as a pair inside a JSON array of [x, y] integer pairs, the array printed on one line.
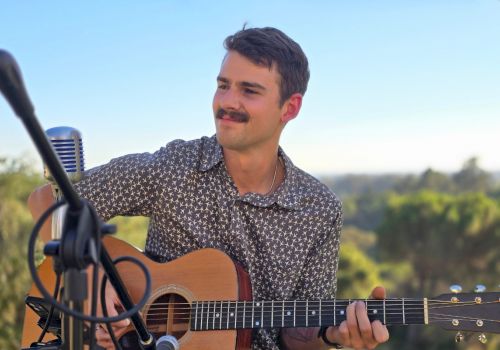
[[262, 315], [294, 311], [272, 313], [244, 312], [196, 318], [214, 316], [404, 312], [320, 312], [253, 311], [335, 312], [283, 314], [385, 321], [235, 313], [221, 313], [307, 313], [228, 306], [201, 316]]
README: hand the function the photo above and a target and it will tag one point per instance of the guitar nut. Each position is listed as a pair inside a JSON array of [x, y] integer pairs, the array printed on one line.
[[479, 323], [454, 300], [478, 300], [455, 322]]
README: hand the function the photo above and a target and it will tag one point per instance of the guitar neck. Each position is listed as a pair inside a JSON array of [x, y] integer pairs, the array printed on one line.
[[217, 315]]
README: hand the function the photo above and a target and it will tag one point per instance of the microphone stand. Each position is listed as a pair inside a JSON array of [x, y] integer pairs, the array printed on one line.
[[77, 248]]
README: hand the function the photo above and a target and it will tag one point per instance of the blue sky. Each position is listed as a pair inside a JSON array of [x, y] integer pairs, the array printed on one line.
[[396, 86]]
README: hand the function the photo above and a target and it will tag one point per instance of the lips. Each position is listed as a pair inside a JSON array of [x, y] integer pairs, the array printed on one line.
[[234, 116]]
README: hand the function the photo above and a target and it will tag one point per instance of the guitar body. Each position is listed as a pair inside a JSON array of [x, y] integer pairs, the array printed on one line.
[[206, 274]]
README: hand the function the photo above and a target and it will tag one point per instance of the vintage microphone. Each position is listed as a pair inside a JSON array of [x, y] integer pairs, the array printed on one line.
[[67, 143]]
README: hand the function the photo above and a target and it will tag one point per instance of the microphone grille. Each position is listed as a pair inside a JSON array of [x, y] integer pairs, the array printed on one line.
[[67, 143]]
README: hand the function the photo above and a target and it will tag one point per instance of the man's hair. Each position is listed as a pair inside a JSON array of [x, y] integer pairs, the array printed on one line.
[[268, 46]]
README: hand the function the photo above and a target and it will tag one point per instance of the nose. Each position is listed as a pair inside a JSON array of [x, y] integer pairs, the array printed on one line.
[[228, 99]]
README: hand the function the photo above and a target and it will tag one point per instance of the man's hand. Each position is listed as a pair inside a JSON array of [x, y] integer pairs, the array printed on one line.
[[119, 328], [357, 331]]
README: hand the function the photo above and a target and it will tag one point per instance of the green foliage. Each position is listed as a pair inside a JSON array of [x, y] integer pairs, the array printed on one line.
[[357, 274], [413, 234], [447, 239], [132, 229], [366, 210], [16, 182]]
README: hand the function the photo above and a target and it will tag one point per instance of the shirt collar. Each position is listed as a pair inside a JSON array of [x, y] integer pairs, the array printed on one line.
[[288, 195]]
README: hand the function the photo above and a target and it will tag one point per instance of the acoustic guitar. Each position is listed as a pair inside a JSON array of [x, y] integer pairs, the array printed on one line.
[[204, 299]]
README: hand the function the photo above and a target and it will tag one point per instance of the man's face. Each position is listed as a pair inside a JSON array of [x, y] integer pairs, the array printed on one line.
[[246, 104]]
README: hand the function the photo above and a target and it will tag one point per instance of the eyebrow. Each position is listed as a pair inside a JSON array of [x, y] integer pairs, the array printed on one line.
[[246, 84]]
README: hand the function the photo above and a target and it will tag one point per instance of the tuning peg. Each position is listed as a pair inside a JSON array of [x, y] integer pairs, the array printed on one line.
[[459, 337], [482, 338], [455, 288], [479, 288]]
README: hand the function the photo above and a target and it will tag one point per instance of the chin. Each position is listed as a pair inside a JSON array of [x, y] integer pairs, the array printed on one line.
[[228, 142]]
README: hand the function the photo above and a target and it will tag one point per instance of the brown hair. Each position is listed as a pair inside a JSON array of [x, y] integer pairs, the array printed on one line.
[[268, 46]]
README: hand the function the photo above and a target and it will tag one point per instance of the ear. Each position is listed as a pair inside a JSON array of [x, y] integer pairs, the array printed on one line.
[[291, 107]]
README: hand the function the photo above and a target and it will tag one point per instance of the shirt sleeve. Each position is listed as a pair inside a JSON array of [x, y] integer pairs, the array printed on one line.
[[319, 274], [124, 186]]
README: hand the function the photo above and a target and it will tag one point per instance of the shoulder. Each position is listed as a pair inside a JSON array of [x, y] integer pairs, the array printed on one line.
[[315, 193], [189, 153]]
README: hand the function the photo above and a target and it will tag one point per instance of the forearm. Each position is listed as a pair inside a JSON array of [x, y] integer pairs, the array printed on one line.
[[301, 339]]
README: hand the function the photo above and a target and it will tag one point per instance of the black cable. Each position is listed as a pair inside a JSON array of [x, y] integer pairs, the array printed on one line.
[[64, 308], [51, 311], [105, 313]]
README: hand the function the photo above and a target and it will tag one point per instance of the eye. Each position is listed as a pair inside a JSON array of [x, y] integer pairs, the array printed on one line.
[[249, 91], [222, 86]]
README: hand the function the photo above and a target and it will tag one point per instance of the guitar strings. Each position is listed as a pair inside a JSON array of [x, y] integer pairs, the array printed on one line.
[[184, 313], [430, 305], [277, 303]]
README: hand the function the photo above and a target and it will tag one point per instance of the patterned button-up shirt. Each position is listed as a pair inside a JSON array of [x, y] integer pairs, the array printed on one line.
[[287, 241]]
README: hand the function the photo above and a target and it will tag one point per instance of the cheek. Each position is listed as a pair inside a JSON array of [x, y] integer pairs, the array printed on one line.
[[215, 102]]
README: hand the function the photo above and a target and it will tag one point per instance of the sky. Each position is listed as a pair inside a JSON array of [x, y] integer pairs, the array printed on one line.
[[396, 86]]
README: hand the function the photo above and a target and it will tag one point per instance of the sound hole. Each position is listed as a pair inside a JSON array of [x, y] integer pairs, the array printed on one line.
[[168, 314]]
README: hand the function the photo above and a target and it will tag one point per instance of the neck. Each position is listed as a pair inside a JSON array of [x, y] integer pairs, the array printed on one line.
[[256, 172], [210, 315]]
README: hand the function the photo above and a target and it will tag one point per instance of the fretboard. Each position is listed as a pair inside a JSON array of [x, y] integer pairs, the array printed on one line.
[[216, 315]]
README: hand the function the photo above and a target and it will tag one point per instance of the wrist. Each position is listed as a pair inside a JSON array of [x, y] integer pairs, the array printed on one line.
[[322, 335]]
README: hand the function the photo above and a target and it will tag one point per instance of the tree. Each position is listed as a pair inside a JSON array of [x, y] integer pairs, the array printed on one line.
[[16, 182], [447, 239], [473, 178]]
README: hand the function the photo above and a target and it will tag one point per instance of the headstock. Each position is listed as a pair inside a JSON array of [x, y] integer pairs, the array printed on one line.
[[469, 312]]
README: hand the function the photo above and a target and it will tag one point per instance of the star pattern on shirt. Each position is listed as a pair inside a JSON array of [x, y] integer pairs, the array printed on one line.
[[287, 241]]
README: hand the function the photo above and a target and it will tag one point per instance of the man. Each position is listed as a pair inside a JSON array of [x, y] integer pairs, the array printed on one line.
[[240, 193]]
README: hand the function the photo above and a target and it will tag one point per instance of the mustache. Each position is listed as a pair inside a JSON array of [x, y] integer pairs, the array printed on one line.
[[237, 116]]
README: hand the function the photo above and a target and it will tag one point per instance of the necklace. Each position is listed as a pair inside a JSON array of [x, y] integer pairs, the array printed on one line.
[[274, 178]]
